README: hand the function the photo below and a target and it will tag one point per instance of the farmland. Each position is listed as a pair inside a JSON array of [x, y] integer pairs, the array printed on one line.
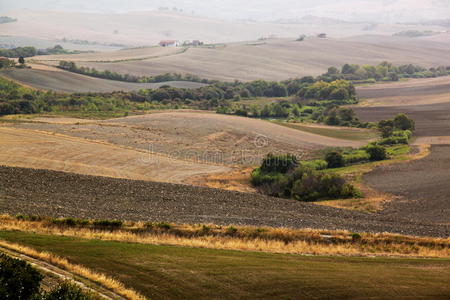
[[203, 273], [62, 81], [286, 57]]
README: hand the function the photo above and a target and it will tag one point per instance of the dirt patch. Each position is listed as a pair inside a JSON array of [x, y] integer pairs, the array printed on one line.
[[421, 187]]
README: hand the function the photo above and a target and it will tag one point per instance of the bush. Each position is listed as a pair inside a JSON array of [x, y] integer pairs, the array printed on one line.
[[376, 152], [108, 223], [356, 157], [393, 141], [67, 291], [334, 160], [279, 163], [317, 164], [402, 122], [18, 280]]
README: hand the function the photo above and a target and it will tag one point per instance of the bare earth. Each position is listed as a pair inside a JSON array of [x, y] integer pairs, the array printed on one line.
[[199, 136], [33, 149], [411, 92], [58, 194], [421, 187]]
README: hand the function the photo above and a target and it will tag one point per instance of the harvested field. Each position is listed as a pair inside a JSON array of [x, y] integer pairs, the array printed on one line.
[[198, 136], [431, 120], [411, 92], [43, 192], [26, 148], [422, 187], [62, 81], [286, 58]]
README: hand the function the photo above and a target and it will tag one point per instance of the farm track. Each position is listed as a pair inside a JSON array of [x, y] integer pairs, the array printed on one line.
[[59, 194]]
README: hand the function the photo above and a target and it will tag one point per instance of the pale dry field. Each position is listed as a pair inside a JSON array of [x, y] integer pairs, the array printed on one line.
[[280, 59], [199, 136], [42, 150]]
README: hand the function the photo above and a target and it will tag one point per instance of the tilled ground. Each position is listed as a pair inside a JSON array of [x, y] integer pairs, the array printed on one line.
[[59, 194], [422, 186], [431, 120]]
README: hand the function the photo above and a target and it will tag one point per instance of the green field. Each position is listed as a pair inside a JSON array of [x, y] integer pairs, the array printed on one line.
[[168, 272]]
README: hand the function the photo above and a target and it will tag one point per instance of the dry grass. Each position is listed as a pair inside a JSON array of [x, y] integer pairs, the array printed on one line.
[[237, 180], [274, 240], [63, 263]]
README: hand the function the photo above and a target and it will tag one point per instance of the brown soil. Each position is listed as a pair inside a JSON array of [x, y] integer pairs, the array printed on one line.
[[421, 187], [58, 194]]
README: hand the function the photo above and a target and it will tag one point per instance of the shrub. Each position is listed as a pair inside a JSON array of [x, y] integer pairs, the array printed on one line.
[[376, 152], [279, 163], [164, 225], [232, 230], [356, 157], [18, 280], [67, 291], [108, 223], [334, 160], [317, 164], [393, 141]]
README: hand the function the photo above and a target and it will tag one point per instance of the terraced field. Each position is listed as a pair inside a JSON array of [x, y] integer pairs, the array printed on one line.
[[62, 81]]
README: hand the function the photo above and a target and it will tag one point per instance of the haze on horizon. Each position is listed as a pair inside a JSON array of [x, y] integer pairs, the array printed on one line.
[[389, 11]]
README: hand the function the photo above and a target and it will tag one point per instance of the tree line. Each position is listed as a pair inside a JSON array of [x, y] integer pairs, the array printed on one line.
[[384, 71]]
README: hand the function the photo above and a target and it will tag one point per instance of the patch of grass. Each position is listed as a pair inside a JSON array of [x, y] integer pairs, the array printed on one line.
[[178, 272]]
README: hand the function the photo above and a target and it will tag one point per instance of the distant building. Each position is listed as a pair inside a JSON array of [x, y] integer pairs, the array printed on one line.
[[322, 35], [169, 43]]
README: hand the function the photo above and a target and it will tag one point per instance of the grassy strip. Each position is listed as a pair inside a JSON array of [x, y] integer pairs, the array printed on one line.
[[192, 273], [63, 263], [276, 240]]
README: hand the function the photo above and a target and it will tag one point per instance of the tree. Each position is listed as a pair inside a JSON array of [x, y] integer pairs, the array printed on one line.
[[334, 160], [21, 60], [402, 122], [386, 131], [376, 152]]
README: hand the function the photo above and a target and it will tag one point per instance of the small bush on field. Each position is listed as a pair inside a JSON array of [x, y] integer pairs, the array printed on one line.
[[108, 223], [70, 222], [164, 225], [376, 152], [232, 230], [334, 160], [31, 218], [356, 157], [67, 291]]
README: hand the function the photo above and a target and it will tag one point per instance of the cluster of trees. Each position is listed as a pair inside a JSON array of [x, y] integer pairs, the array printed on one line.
[[18, 52], [396, 131], [32, 51], [385, 71], [19, 280], [284, 176], [5, 19], [72, 67]]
